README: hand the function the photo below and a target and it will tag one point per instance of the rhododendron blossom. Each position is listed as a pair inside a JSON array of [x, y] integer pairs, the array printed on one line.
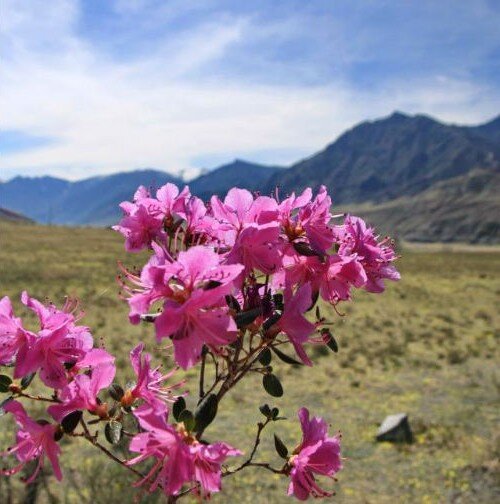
[[34, 440], [233, 288], [317, 454], [82, 392], [180, 457], [150, 382]]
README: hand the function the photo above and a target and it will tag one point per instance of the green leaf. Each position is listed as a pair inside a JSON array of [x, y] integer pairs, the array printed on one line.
[[58, 434], [274, 413], [212, 284], [286, 358], [3, 403], [206, 412], [265, 357], [278, 301], [304, 249], [187, 418], [271, 321], [330, 341], [272, 385], [113, 431], [69, 422], [265, 410], [178, 408], [280, 447], [5, 382], [116, 391], [26, 381], [245, 318], [232, 302], [314, 300]]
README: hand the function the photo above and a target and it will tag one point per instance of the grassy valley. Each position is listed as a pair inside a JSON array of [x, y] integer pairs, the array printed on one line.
[[428, 347]]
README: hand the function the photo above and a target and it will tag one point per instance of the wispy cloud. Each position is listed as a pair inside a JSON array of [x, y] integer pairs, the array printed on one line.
[[176, 83]]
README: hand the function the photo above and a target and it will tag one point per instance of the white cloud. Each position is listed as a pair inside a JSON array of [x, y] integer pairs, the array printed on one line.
[[107, 115]]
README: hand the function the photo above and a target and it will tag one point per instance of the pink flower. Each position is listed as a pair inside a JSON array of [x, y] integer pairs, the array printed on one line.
[[59, 343], [147, 218], [317, 454], [207, 460], [302, 218], [150, 286], [149, 385], [172, 202], [141, 224], [332, 276], [81, 393], [196, 314], [315, 218], [193, 324], [249, 229], [293, 323], [34, 440], [340, 274], [14, 338], [180, 457], [161, 441], [376, 257]]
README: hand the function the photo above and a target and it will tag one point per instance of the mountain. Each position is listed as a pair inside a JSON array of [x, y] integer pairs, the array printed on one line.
[[399, 155], [8, 215], [93, 201], [239, 173], [411, 175], [461, 209]]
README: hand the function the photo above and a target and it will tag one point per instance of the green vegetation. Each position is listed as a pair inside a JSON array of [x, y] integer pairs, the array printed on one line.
[[428, 346]]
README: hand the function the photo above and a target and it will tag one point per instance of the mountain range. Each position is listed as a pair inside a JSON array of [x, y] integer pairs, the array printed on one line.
[[412, 175]]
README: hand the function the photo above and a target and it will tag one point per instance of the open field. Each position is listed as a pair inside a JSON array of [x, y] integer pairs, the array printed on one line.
[[428, 346]]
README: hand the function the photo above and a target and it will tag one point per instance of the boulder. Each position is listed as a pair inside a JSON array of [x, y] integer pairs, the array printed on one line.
[[395, 429]]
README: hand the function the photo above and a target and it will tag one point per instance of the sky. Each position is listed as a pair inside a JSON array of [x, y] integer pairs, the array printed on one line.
[[94, 87]]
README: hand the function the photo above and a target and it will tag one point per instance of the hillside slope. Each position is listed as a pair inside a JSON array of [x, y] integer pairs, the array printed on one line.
[[251, 176], [462, 209], [396, 156]]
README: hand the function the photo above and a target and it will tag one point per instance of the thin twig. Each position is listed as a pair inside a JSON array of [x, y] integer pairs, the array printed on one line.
[[36, 398]]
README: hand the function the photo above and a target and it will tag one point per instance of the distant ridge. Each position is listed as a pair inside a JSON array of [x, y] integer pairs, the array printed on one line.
[[412, 175], [8, 215], [395, 156], [239, 173]]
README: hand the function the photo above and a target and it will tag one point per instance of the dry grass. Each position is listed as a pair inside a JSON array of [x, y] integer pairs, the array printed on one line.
[[428, 346]]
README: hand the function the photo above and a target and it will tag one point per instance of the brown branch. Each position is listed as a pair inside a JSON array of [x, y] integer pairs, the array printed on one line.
[[19, 393]]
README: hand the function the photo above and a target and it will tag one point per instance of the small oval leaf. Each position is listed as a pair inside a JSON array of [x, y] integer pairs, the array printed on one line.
[[305, 249], [116, 391], [233, 304], [245, 318], [265, 410], [69, 422], [271, 321], [206, 412], [113, 432], [280, 447], [286, 358], [3, 403], [178, 408], [187, 418], [330, 341], [5, 382], [265, 357], [26, 381], [272, 385]]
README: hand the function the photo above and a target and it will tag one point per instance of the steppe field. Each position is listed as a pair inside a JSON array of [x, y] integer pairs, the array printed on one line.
[[427, 347]]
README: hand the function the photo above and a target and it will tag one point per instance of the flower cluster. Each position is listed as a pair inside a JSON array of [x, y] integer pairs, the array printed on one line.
[[228, 283], [251, 248]]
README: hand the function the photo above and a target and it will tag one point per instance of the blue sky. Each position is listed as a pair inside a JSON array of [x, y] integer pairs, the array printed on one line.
[[97, 86]]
